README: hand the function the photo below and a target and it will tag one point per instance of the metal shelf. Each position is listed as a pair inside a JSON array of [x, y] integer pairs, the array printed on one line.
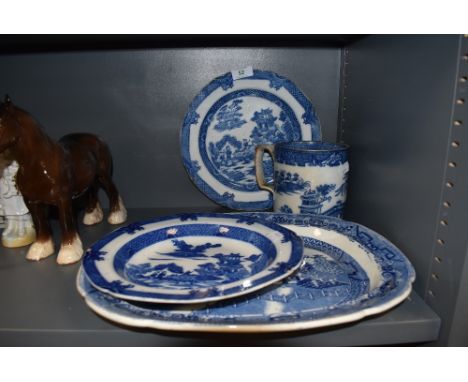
[[57, 43], [40, 306]]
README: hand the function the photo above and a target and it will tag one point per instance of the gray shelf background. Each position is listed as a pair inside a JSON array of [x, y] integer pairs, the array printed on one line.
[[393, 99]]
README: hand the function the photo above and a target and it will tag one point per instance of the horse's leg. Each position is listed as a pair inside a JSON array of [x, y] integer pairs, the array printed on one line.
[[43, 246], [71, 248], [93, 211], [118, 213]]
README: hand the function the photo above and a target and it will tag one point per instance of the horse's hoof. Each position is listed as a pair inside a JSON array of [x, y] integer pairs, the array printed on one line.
[[94, 217], [70, 253], [40, 250], [118, 216]]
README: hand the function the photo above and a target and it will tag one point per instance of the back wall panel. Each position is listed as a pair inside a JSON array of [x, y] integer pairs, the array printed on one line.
[[137, 99]]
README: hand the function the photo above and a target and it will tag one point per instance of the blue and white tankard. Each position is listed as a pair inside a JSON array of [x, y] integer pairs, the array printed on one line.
[[309, 177]]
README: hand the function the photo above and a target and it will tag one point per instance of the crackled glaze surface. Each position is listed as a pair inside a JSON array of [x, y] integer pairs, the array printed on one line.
[[349, 272], [192, 258]]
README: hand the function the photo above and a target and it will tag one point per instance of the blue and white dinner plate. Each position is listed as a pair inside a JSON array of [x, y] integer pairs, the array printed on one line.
[[350, 272], [191, 258], [227, 120]]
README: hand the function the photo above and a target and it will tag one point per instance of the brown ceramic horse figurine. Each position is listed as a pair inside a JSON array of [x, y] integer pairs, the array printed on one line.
[[53, 173]]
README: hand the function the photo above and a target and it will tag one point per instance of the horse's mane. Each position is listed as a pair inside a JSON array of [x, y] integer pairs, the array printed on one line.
[[25, 116], [26, 119]]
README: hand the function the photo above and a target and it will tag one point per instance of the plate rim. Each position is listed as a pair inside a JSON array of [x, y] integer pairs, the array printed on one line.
[[351, 316], [239, 328], [294, 262], [225, 81]]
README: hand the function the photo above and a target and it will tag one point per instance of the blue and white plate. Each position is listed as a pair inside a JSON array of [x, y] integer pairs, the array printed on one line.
[[227, 120], [350, 272], [192, 258]]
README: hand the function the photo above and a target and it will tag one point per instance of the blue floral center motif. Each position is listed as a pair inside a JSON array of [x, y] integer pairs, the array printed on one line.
[[229, 155]]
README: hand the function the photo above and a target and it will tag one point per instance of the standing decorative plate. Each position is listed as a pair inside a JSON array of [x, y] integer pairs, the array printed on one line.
[[227, 120], [349, 272], [192, 258]]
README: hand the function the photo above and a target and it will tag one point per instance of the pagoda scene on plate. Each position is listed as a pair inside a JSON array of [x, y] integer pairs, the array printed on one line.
[[199, 265], [236, 133], [227, 120], [192, 258]]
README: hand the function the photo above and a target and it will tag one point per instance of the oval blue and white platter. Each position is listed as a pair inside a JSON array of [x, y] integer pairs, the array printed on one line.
[[191, 258], [349, 272], [227, 120]]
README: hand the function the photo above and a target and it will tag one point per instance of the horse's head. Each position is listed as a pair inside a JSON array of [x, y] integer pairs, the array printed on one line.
[[9, 125]]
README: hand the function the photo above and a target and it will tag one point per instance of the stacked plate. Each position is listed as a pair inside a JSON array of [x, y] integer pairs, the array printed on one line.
[[243, 272]]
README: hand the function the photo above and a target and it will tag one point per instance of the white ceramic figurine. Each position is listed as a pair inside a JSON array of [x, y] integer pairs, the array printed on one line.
[[19, 229]]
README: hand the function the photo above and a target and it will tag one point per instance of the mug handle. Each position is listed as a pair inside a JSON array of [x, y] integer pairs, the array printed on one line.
[[259, 173]]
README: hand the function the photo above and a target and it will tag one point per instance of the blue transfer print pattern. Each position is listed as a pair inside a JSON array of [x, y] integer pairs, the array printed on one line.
[[288, 183], [228, 115], [225, 81], [230, 156], [132, 228], [286, 210], [277, 81], [96, 255], [342, 190], [118, 286], [186, 217], [314, 199], [191, 118], [329, 284], [164, 270], [336, 211], [311, 154], [207, 263]]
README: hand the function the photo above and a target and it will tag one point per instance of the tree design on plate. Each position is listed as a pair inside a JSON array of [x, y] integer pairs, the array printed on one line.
[[232, 157], [188, 266], [233, 154], [229, 116]]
